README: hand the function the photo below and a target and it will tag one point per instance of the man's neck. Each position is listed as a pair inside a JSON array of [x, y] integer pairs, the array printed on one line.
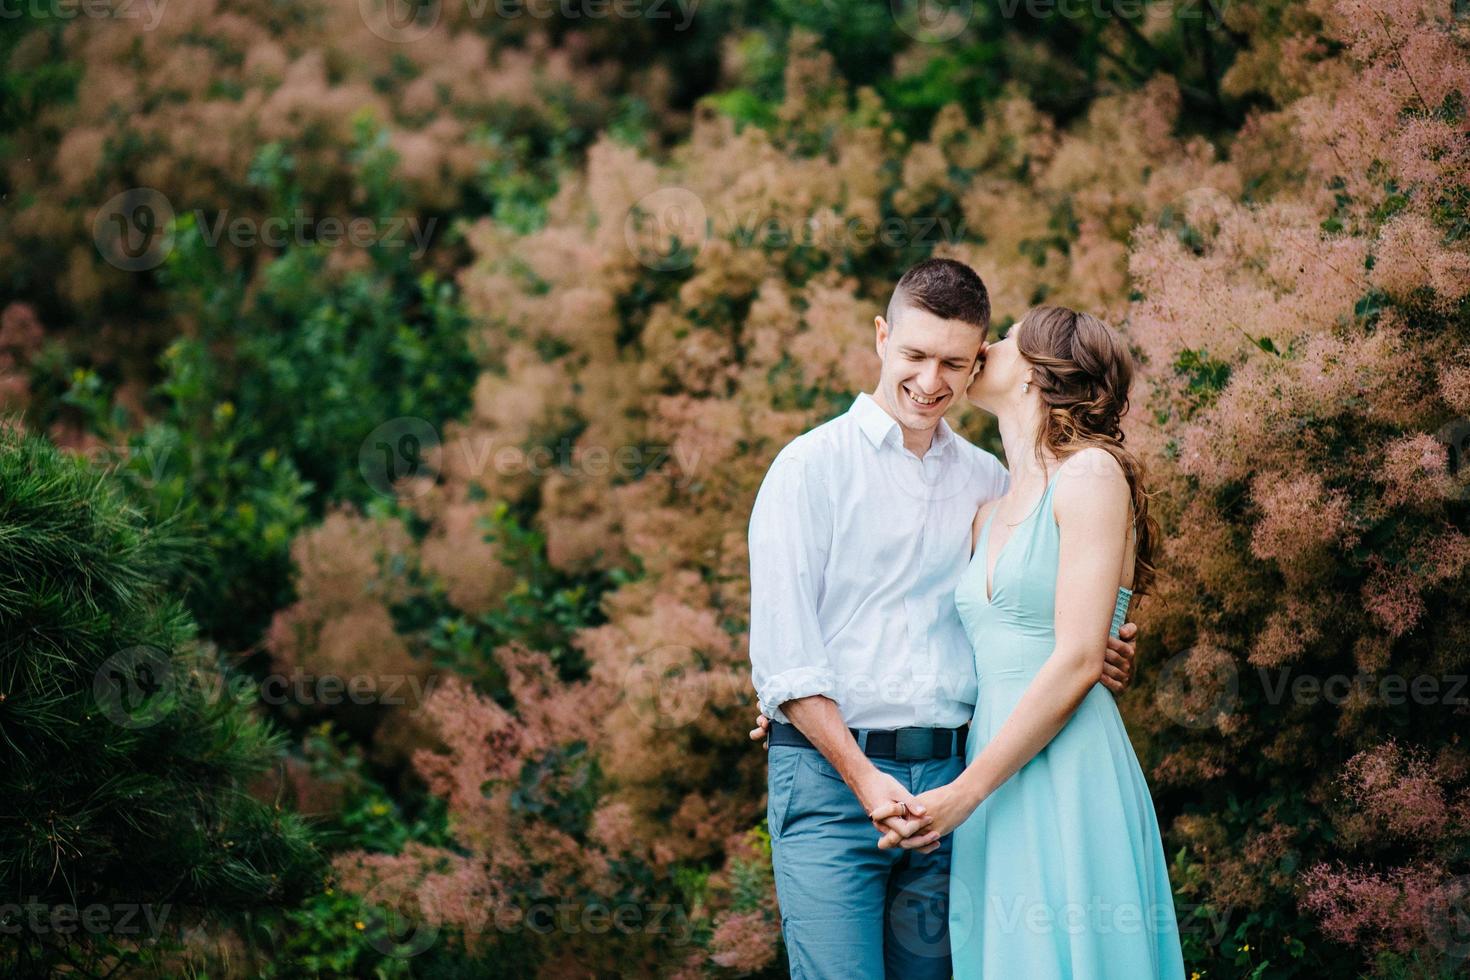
[[916, 441]]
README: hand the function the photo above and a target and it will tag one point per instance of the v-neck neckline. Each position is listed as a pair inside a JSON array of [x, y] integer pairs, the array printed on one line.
[[983, 547]]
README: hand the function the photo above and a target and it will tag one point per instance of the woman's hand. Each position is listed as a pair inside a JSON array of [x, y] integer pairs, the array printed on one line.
[[945, 809], [762, 731]]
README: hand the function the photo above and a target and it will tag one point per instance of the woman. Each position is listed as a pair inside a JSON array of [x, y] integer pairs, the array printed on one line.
[[1058, 869]]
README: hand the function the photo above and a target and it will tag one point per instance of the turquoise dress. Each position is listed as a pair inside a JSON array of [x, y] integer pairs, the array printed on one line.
[[1060, 873]]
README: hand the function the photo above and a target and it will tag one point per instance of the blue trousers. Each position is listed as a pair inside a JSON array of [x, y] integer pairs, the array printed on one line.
[[848, 910]]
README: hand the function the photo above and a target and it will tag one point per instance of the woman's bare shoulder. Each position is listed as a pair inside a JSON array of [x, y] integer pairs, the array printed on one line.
[[1091, 484]]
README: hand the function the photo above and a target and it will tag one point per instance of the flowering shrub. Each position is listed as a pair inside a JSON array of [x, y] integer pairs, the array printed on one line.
[[1307, 350]]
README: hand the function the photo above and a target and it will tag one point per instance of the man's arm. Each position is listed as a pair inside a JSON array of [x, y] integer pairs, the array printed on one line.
[[820, 721], [790, 539]]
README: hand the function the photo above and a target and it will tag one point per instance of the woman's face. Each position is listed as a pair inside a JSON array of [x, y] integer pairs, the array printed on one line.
[[1001, 376]]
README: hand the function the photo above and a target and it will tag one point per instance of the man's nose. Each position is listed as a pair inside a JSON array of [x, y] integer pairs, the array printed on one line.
[[929, 377]]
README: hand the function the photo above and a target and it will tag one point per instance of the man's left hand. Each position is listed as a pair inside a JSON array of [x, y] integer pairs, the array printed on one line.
[[1118, 660], [762, 731]]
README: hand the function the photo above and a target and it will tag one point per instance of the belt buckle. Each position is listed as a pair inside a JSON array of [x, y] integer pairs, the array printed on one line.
[[913, 744]]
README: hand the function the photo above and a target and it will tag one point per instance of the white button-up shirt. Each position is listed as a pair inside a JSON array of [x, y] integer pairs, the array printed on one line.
[[856, 545]]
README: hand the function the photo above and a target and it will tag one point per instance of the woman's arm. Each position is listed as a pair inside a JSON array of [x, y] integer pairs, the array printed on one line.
[[1091, 504]]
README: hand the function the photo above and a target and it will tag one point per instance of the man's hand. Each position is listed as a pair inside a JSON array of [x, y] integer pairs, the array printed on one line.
[[1118, 659], [879, 792], [762, 731], [946, 808]]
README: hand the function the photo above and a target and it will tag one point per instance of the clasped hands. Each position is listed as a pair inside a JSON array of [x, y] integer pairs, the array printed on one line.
[[900, 818], [918, 823]]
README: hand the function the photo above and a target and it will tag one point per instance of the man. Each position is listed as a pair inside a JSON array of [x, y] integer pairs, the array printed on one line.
[[858, 536]]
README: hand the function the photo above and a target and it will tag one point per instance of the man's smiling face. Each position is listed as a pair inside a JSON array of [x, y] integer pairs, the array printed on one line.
[[927, 364]]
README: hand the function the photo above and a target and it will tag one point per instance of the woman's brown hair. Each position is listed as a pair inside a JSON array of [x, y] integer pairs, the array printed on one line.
[[1083, 371]]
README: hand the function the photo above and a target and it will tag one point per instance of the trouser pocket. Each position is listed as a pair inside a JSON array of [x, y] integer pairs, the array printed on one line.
[[783, 763]]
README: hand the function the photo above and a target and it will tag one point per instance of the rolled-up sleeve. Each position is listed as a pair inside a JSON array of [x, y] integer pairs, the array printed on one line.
[[790, 536]]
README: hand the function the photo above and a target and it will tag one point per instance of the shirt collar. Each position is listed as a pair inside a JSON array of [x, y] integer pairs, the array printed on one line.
[[879, 426]]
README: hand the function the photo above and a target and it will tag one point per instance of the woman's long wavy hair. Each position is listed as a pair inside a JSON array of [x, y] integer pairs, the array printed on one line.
[[1083, 371]]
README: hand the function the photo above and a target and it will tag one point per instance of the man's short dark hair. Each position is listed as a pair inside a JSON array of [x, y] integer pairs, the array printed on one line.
[[950, 290]]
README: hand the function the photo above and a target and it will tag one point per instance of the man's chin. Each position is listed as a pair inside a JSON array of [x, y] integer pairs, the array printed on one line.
[[915, 420]]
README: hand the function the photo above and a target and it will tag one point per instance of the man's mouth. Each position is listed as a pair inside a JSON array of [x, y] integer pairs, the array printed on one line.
[[920, 400]]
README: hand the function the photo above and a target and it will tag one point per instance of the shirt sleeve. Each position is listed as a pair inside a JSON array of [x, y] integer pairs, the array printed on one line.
[[790, 537]]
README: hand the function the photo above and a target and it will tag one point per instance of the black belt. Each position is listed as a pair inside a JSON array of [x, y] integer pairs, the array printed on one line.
[[899, 744]]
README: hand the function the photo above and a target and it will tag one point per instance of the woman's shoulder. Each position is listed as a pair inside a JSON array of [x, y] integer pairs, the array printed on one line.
[[1093, 466], [1089, 483]]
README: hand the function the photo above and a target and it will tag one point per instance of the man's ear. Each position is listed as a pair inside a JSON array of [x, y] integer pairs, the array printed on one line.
[[881, 333]]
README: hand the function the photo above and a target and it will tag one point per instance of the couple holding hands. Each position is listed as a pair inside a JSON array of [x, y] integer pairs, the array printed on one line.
[[935, 643]]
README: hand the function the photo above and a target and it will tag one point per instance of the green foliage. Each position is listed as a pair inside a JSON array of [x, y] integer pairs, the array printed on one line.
[[541, 611], [115, 739], [262, 414], [743, 106], [546, 607]]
